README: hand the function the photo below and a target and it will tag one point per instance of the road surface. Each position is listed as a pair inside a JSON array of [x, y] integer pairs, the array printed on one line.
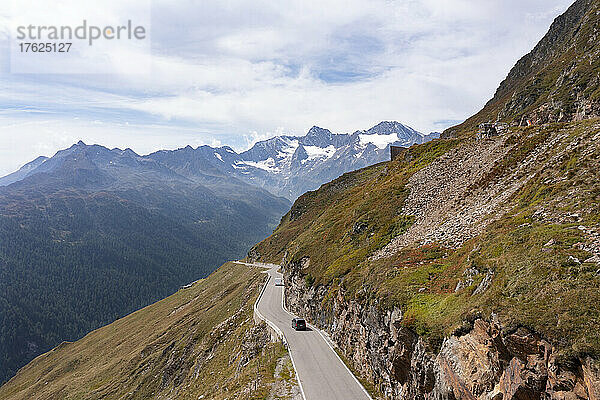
[[322, 375]]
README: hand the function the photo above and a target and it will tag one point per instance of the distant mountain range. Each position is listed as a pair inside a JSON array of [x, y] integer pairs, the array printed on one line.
[[286, 166]]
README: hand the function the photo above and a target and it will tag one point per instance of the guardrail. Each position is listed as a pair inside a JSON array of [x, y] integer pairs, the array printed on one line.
[[329, 343], [257, 314]]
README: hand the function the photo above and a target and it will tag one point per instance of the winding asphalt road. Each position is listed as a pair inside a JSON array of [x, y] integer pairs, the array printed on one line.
[[322, 375]]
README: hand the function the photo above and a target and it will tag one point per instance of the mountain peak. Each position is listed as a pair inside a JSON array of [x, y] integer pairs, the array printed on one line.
[[318, 131], [317, 137], [389, 127], [130, 152], [81, 143]]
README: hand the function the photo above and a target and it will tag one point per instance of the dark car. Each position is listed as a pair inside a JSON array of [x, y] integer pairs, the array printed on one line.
[[299, 324]]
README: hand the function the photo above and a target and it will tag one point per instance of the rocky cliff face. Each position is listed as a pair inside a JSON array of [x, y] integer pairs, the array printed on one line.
[[479, 361]]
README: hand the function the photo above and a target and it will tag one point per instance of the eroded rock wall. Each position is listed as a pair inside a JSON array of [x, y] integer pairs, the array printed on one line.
[[482, 362]]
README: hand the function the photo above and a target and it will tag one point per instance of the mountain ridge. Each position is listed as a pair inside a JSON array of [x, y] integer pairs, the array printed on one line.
[[284, 165], [291, 165], [557, 81], [22, 172]]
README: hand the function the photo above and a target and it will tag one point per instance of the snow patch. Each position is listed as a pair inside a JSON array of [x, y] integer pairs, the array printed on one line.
[[381, 141], [219, 157], [266, 165], [317, 152]]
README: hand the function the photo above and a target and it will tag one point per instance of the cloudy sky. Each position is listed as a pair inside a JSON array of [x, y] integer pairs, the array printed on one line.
[[234, 72]]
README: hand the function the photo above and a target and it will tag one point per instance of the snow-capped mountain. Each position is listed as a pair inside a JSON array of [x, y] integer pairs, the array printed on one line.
[[288, 166]]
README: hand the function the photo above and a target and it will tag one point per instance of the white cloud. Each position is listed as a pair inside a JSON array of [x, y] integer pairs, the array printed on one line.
[[235, 72]]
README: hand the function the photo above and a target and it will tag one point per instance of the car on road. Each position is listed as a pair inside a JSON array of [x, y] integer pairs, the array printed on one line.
[[278, 282], [299, 324]]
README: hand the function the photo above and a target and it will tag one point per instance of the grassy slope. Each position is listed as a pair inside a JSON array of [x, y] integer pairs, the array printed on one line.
[[178, 348], [345, 221]]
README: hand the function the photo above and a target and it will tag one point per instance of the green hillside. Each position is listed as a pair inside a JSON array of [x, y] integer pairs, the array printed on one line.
[[506, 227], [201, 341]]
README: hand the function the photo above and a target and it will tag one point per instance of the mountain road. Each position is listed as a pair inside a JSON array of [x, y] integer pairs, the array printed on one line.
[[321, 373]]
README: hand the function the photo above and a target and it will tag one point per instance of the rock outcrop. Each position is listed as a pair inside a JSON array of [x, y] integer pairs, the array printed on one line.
[[481, 361]]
